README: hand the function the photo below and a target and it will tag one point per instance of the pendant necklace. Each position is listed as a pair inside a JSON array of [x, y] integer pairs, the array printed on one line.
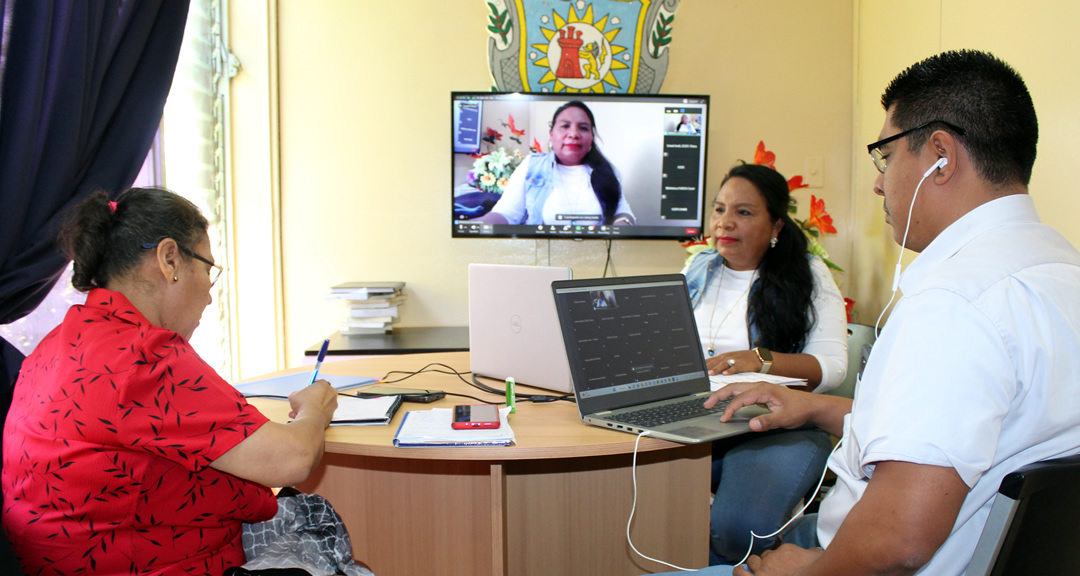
[[713, 333]]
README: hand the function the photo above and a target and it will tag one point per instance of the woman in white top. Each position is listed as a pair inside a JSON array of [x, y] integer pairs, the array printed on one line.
[[684, 126], [572, 184], [763, 304]]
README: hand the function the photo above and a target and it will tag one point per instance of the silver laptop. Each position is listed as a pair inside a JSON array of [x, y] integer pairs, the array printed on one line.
[[635, 358], [513, 330]]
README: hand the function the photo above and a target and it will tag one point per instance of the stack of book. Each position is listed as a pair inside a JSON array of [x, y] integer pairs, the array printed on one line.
[[371, 307]]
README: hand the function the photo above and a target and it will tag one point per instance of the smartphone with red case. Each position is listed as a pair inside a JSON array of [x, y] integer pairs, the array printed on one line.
[[468, 416]]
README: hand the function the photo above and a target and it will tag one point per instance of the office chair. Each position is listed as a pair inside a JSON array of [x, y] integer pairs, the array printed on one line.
[[858, 335], [1032, 527]]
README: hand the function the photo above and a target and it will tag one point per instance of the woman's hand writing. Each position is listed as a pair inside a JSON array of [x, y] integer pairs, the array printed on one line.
[[318, 400]]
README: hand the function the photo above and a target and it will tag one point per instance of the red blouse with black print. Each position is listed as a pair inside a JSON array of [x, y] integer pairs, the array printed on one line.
[[107, 452]]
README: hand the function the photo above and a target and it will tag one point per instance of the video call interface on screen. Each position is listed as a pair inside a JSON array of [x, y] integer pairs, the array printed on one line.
[[655, 143], [631, 338]]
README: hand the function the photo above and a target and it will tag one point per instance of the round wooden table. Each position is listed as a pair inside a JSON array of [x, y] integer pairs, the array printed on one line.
[[556, 502]]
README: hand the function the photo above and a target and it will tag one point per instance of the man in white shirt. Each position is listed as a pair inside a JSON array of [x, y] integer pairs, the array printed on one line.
[[976, 372]]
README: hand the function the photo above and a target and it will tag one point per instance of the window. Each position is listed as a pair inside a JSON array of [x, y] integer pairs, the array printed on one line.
[[194, 160], [189, 155]]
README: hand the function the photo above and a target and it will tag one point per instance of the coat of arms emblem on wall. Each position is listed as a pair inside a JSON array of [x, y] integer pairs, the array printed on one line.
[[603, 46]]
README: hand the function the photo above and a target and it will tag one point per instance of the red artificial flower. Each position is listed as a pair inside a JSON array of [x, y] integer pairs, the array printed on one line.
[[536, 147], [819, 217], [492, 133], [795, 182], [513, 129], [763, 157], [695, 241], [849, 304]]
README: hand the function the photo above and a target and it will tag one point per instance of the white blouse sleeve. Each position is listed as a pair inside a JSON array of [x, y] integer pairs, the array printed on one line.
[[827, 340], [511, 204]]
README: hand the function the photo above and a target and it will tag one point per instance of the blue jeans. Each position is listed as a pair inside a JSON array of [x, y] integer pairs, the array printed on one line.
[[802, 532], [762, 479]]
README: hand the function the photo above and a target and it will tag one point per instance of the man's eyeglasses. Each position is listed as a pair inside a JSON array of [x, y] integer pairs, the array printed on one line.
[[215, 270], [881, 162]]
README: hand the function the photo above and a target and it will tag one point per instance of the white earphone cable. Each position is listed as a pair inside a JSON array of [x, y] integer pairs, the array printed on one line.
[[895, 285], [903, 243], [809, 501], [633, 472]]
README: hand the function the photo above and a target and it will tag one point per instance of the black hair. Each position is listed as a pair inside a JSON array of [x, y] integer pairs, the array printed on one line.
[[781, 304], [982, 95], [106, 243], [604, 182]]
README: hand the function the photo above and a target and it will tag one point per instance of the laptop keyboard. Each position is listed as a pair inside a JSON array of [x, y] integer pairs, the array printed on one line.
[[668, 413]]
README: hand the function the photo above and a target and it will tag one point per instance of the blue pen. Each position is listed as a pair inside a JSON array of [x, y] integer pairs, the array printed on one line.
[[318, 362]]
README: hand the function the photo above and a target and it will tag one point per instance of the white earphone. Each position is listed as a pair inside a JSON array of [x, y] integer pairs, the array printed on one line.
[[940, 163]]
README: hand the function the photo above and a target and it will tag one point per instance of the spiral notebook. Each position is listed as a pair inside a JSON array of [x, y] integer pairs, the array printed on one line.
[[353, 411]]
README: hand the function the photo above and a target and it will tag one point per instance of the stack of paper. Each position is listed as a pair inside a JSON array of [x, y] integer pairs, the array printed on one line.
[[432, 428], [371, 307], [719, 381]]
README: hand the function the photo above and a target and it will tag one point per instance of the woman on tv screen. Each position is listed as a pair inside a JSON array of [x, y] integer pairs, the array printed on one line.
[[572, 184]]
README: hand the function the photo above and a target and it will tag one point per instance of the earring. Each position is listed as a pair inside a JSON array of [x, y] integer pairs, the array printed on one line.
[[175, 279], [772, 243]]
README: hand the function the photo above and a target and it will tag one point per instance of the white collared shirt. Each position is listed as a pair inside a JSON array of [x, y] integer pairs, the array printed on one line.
[[976, 370]]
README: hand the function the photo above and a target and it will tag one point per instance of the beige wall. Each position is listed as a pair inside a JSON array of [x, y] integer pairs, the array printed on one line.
[[1037, 38], [362, 198]]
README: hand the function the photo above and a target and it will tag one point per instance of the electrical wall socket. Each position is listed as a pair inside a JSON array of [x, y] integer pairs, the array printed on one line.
[[815, 172]]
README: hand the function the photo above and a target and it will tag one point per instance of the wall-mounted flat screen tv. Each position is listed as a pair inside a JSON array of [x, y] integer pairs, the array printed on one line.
[[623, 166]]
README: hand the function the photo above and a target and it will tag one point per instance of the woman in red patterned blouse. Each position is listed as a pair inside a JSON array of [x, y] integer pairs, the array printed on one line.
[[124, 452]]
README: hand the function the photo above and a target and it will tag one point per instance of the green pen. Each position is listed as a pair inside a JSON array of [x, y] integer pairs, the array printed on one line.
[[510, 395]]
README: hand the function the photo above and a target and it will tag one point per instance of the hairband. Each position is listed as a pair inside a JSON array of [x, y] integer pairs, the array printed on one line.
[[112, 207]]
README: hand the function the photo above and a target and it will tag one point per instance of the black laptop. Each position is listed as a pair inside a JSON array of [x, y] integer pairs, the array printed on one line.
[[635, 358]]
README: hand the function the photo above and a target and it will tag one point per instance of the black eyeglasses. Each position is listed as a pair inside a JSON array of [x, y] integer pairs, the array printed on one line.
[[881, 162], [215, 270]]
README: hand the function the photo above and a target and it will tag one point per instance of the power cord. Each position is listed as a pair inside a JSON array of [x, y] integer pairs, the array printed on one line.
[[608, 261], [346, 394], [535, 398], [448, 370], [427, 368], [440, 368]]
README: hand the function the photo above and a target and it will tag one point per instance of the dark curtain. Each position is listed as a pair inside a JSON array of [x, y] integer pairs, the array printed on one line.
[[82, 87]]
